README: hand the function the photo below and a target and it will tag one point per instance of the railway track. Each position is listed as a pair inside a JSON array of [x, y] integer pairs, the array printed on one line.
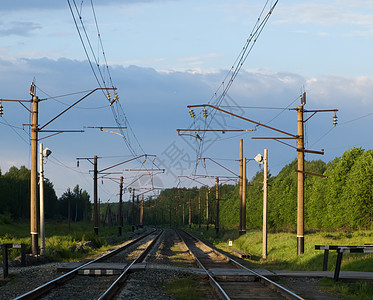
[[230, 279], [113, 266]]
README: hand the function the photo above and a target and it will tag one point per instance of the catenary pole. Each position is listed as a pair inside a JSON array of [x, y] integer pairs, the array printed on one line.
[[265, 193], [34, 177], [241, 185], [41, 196], [207, 209], [300, 192], [217, 221], [243, 199], [95, 195], [120, 213]]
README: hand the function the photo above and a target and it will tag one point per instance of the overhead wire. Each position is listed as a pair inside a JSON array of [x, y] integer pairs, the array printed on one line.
[[233, 72], [82, 41], [117, 110], [14, 129], [67, 95]]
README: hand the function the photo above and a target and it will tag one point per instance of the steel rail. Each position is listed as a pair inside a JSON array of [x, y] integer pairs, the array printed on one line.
[[267, 280], [217, 287], [118, 283], [43, 289]]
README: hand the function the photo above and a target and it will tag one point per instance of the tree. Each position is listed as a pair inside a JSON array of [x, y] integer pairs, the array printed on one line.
[[75, 204]]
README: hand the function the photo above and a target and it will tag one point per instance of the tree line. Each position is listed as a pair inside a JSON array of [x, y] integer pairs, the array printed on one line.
[[15, 199], [343, 199]]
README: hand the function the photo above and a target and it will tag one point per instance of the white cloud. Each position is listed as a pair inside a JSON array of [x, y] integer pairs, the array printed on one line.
[[327, 13], [336, 90]]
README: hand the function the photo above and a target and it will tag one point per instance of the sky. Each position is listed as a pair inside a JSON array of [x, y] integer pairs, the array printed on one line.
[[163, 55]]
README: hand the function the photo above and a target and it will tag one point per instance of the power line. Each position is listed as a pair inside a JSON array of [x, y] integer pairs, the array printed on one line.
[[67, 95], [117, 110], [14, 129], [233, 72]]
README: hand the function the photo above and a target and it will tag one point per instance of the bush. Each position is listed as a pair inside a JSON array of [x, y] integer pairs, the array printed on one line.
[[6, 218]]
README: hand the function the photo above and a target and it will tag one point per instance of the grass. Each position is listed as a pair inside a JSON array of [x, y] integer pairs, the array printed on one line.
[[188, 288], [282, 254], [359, 290], [61, 239], [282, 249]]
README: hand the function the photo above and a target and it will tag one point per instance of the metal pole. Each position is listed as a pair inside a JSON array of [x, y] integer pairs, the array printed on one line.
[[95, 205], [120, 223], [243, 200], [241, 185], [41, 204], [217, 206], [265, 193], [34, 177], [300, 196]]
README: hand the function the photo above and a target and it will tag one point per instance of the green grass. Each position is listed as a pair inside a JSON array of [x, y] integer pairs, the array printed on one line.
[[188, 288], [359, 290], [61, 239], [282, 254], [282, 249]]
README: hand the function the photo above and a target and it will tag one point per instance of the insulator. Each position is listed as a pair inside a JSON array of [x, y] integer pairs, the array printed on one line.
[[191, 112], [335, 120], [108, 96], [205, 112], [77, 163], [1, 109]]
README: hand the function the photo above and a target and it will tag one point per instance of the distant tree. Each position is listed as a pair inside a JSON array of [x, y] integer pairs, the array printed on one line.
[[76, 203], [358, 192]]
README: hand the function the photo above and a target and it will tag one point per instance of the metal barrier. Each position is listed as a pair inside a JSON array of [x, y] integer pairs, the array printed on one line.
[[5, 248], [340, 250]]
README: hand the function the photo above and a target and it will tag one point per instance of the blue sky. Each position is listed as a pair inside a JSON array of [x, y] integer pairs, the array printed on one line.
[[165, 55]]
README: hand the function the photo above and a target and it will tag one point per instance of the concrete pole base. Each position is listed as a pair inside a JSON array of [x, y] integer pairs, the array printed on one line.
[[34, 244], [300, 245]]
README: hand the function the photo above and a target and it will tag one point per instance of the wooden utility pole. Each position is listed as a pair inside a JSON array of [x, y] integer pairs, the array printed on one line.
[[34, 176], [243, 199], [141, 211], [207, 209], [137, 211], [190, 212], [241, 186], [300, 212], [199, 211], [95, 196], [217, 206], [120, 209], [133, 210], [183, 213], [69, 209], [265, 193], [300, 149]]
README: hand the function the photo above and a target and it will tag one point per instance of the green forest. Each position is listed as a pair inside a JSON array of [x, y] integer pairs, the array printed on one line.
[[342, 200], [15, 199]]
